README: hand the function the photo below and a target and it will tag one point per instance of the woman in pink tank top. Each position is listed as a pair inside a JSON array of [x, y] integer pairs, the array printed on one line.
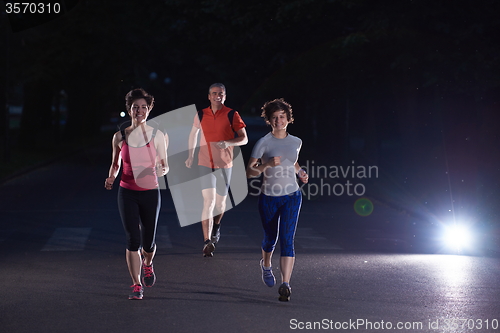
[[142, 150]]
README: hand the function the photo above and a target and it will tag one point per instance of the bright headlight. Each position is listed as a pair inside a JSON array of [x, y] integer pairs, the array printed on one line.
[[457, 236]]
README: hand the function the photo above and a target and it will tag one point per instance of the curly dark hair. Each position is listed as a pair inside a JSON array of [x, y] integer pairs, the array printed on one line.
[[277, 105], [136, 94]]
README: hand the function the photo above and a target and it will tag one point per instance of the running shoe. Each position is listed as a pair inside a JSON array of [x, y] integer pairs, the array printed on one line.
[[137, 292], [285, 291], [215, 234], [208, 249], [148, 275], [267, 275]]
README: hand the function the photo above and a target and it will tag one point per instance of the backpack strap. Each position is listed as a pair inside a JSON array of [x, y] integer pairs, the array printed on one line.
[[230, 116]]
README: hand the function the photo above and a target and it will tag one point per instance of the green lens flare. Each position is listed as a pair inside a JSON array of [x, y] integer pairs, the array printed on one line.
[[363, 207]]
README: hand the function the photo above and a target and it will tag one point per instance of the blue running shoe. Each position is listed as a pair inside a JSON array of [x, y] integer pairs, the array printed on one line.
[[285, 291], [267, 275]]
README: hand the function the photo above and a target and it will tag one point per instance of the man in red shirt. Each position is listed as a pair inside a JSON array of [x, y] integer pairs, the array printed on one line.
[[215, 159]]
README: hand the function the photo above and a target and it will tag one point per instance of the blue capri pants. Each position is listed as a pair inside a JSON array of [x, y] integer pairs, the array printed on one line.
[[279, 216]]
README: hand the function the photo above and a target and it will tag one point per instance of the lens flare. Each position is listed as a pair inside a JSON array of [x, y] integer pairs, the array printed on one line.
[[363, 207]]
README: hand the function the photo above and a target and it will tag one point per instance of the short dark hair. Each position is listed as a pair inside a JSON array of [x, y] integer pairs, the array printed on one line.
[[220, 85], [136, 94], [277, 105]]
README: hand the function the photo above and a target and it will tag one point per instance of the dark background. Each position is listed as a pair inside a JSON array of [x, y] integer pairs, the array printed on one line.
[[408, 86]]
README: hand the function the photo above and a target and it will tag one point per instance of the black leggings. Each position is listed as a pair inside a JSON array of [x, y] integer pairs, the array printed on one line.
[[139, 211]]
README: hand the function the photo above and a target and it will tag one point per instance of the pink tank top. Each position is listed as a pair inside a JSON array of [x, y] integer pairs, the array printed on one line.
[[139, 167]]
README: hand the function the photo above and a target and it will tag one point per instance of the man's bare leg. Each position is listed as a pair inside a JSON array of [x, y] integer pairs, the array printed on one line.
[[220, 208], [207, 220]]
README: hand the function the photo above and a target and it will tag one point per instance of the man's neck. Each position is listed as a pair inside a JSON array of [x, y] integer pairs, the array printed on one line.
[[216, 108]]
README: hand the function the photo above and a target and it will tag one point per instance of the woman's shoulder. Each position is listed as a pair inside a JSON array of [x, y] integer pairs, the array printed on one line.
[[264, 139], [260, 144], [117, 136], [160, 136], [160, 133], [294, 138], [117, 140]]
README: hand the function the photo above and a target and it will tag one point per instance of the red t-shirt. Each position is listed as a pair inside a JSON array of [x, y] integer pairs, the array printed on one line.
[[215, 128]]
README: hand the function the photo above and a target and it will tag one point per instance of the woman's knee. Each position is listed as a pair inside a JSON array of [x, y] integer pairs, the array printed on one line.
[[268, 246], [269, 242], [288, 251], [287, 248], [133, 245], [150, 248]]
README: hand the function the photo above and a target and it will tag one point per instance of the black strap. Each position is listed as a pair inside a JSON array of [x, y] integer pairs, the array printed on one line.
[[229, 192], [127, 123], [227, 181], [230, 116]]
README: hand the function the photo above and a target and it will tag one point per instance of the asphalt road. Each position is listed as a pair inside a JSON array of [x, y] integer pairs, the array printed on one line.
[[64, 269]]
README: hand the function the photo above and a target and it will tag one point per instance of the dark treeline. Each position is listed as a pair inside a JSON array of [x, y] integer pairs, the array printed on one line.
[[404, 84]]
